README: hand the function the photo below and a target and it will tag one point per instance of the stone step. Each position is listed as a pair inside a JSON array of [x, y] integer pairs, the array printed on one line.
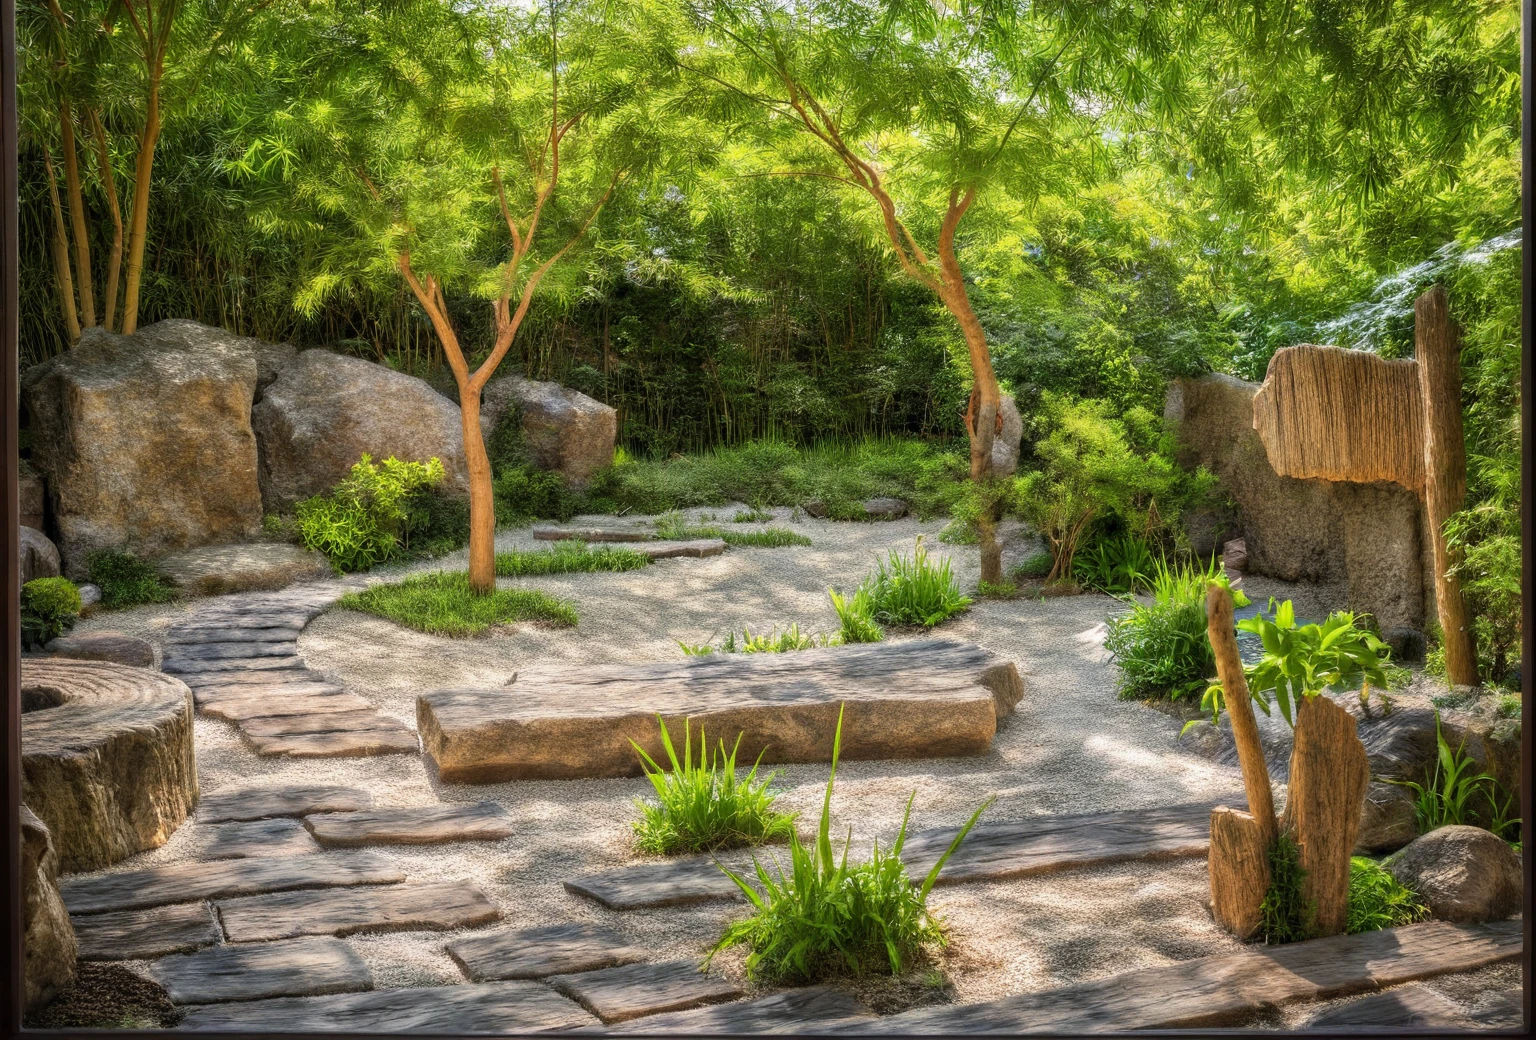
[[1413, 1006], [131, 935], [285, 677], [594, 534], [536, 953], [632, 990], [287, 969], [811, 1011], [385, 737], [696, 549], [675, 882], [915, 699], [268, 705], [225, 651], [420, 825], [1227, 989], [207, 695], [184, 882], [319, 722], [256, 803], [279, 836], [174, 665], [495, 1008], [348, 911], [231, 633]]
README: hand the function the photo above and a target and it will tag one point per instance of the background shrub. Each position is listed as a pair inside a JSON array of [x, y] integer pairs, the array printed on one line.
[[913, 590], [49, 608], [125, 580], [364, 520], [1162, 647]]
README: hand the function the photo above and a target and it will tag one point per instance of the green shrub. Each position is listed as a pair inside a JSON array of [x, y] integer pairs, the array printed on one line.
[[1488, 538], [1036, 565], [1119, 566], [568, 557], [441, 603], [1162, 647], [49, 608], [524, 494], [913, 590], [435, 523], [856, 617], [1303, 660], [825, 916], [1285, 915], [363, 521], [1379, 900], [125, 580], [705, 807]]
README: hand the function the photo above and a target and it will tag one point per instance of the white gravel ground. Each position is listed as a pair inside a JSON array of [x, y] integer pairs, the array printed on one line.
[[1071, 747]]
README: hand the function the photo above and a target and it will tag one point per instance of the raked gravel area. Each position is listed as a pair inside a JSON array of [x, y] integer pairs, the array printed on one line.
[[1071, 747]]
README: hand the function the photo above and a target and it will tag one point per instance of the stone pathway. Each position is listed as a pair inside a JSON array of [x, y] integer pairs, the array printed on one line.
[[240, 655], [536, 953], [634, 990]]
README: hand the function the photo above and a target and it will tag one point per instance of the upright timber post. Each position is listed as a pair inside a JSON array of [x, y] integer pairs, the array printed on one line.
[[1437, 343]]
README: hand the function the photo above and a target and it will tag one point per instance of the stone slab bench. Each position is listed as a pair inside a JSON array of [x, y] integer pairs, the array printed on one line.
[[916, 699], [497, 1008]]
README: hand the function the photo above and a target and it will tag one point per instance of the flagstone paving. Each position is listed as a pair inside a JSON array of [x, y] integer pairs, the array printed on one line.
[[493, 1007], [633, 990], [281, 836], [129, 935], [535, 953], [228, 973], [426, 825], [353, 910], [255, 803]]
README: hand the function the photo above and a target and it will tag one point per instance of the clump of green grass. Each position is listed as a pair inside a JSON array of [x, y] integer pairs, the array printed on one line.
[[752, 516], [857, 625], [1285, 915], [1035, 566], [126, 581], [1163, 648], [856, 617], [568, 557], [825, 916], [673, 527], [441, 604], [913, 590], [1379, 900], [704, 806], [1002, 590]]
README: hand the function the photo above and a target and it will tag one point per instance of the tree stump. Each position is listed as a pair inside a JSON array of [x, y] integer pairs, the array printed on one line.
[[1239, 867], [106, 757], [1329, 777]]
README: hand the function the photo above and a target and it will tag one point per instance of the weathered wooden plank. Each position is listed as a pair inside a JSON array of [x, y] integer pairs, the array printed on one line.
[[349, 911], [536, 953], [210, 695], [1412, 1006], [183, 882], [810, 1011], [671, 883], [633, 990], [496, 1008], [1226, 989], [387, 737], [1239, 871], [130, 935], [229, 973], [255, 803], [1328, 777], [226, 651], [188, 635], [916, 699], [417, 825], [286, 677], [696, 548]]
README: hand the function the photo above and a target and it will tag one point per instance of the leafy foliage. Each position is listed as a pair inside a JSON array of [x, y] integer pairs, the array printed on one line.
[[441, 603], [1302, 661], [912, 590], [125, 580], [856, 616], [1454, 794], [1118, 566], [705, 807], [1163, 648], [1379, 900], [49, 607], [366, 519]]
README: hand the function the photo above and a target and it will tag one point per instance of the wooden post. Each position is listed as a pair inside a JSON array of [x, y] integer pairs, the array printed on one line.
[[1222, 633], [1437, 342], [1239, 867], [1329, 776]]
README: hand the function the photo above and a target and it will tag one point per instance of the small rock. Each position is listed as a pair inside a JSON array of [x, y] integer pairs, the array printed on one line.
[[885, 508], [1463, 874], [90, 595], [1387, 820], [39, 556], [815, 508], [1005, 449], [1234, 556], [47, 936], [116, 647]]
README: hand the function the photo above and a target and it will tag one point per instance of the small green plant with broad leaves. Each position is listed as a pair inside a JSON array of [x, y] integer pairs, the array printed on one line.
[[1455, 793], [914, 590], [1162, 648], [1119, 566], [365, 519], [1379, 900], [49, 608], [568, 557], [125, 580], [704, 806], [824, 916], [442, 603]]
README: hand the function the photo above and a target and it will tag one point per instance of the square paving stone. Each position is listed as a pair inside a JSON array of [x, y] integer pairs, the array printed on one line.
[[280, 836], [619, 994], [387, 737], [269, 703], [348, 911], [130, 935], [255, 803], [496, 1008], [535, 953], [303, 967], [670, 883], [420, 825], [184, 882]]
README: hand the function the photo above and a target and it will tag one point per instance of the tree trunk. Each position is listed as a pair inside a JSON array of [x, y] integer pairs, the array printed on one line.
[[61, 256], [1238, 863], [1245, 728], [77, 217], [981, 418], [109, 188], [1329, 777], [138, 219], [482, 499], [1437, 342]]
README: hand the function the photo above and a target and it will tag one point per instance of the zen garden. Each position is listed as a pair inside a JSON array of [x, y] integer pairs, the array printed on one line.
[[729, 516]]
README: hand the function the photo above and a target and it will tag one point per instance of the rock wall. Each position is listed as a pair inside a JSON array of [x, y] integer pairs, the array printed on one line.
[[48, 939], [1369, 537]]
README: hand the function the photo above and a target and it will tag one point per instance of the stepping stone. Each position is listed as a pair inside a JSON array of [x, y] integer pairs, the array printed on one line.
[[216, 570], [104, 646], [594, 534], [348, 911], [423, 825], [186, 666], [182, 882], [131, 935], [204, 635], [632, 990], [256, 678], [389, 737], [320, 722], [698, 548], [276, 837], [224, 651], [497, 1008], [246, 691], [237, 709], [1227, 988], [256, 803], [535, 953], [810, 1011], [671, 883], [1412, 1006], [287, 969], [885, 508], [918, 699]]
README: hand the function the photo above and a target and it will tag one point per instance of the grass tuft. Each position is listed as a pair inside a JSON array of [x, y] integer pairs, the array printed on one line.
[[912, 590], [1285, 916], [441, 604], [673, 527], [1163, 647], [703, 806], [568, 557], [1379, 900]]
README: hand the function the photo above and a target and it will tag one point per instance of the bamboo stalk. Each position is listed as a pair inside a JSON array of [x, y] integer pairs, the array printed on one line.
[[66, 284]]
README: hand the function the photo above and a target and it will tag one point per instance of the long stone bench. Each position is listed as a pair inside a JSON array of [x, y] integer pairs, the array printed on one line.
[[916, 699]]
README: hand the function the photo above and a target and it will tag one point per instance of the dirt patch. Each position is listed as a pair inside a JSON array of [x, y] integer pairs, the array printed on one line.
[[107, 996]]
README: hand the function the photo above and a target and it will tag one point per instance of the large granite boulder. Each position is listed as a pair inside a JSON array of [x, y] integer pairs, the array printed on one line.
[[325, 411], [1463, 874], [48, 939], [39, 556], [106, 757], [217, 570], [145, 440], [1005, 449], [33, 495], [1370, 535], [565, 431]]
